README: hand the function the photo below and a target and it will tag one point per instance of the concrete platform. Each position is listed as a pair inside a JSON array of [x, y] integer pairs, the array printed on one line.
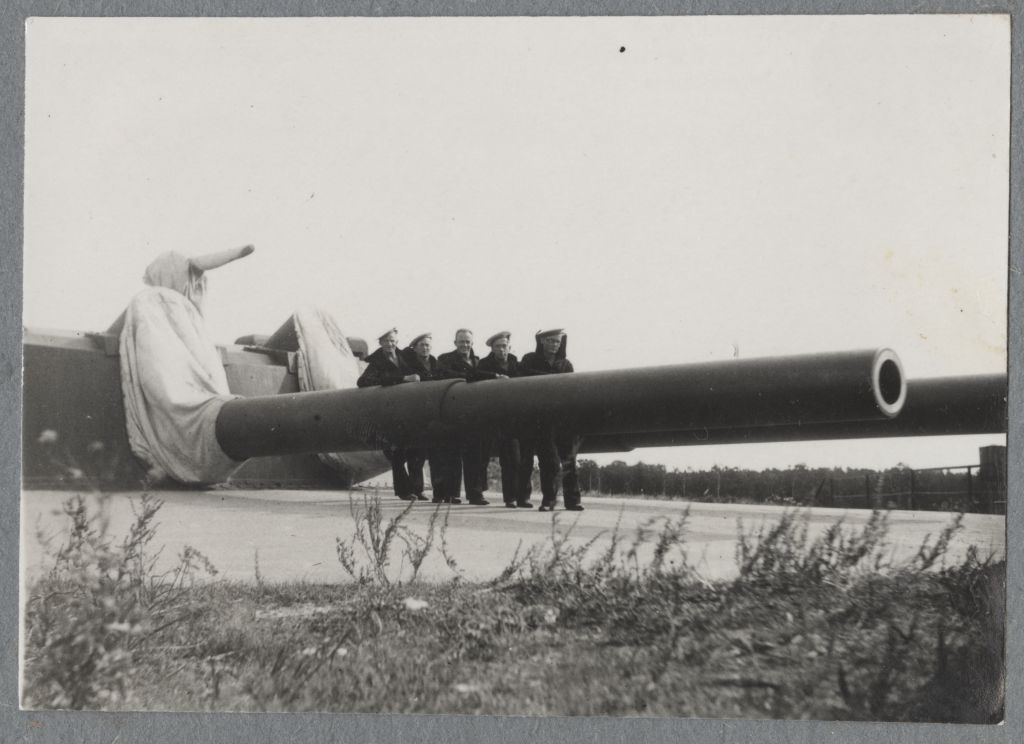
[[294, 533]]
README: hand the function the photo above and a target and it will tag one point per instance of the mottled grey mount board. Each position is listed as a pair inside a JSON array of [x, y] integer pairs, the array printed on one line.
[[18, 726]]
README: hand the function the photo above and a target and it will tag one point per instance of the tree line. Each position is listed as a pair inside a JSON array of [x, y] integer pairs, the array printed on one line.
[[795, 485]]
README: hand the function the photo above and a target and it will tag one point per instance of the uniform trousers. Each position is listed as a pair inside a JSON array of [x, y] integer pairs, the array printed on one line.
[[508, 458], [556, 456], [406, 470], [452, 467]]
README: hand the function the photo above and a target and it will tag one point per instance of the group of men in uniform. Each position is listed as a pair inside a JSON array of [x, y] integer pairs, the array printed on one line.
[[451, 466]]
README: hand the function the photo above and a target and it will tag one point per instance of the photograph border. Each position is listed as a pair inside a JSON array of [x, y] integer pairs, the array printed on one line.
[[58, 726]]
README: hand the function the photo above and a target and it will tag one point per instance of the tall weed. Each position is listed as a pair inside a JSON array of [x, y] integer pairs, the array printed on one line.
[[102, 602], [375, 542], [782, 555]]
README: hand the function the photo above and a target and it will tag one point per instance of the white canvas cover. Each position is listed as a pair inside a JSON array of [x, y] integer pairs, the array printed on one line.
[[325, 360], [174, 385]]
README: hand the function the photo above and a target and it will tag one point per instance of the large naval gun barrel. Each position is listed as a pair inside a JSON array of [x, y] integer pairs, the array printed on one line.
[[935, 406], [795, 390]]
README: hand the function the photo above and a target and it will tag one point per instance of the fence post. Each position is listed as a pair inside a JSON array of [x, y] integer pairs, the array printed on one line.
[[910, 499], [970, 489], [867, 490]]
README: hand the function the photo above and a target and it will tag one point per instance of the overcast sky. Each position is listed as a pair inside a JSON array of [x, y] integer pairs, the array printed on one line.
[[667, 189]]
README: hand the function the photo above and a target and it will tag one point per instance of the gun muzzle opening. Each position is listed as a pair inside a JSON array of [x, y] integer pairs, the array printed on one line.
[[888, 382]]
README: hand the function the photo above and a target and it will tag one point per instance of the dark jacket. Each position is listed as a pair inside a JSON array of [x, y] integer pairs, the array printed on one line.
[[490, 364], [381, 371], [534, 363], [454, 366], [429, 371]]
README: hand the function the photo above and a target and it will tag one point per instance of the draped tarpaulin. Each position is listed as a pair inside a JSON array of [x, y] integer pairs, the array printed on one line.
[[325, 360], [174, 385]]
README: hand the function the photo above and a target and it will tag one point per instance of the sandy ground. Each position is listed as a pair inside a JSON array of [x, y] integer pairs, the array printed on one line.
[[293, 533]]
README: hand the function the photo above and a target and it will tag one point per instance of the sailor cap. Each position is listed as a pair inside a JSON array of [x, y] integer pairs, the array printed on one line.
[[389, 330], [420, 338], [497, 336], [548, 334]]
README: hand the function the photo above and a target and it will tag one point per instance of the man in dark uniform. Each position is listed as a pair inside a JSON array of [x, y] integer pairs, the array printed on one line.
[[465, 461], [555, 449], [386, 366], [504, 364], [418, 358]]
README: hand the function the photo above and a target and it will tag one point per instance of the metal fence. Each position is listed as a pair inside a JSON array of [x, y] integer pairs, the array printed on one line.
[[969, 488]]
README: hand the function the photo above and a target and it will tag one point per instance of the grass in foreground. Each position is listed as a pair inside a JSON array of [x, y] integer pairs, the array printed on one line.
[[824, 628]]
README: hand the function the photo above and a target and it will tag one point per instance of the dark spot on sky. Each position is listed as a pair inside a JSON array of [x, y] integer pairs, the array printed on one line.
[[622, 49]]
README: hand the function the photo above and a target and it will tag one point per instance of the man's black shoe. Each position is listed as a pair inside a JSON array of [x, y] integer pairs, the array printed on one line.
[[510, 504], [437, 500], [574, 507], [455, 501], [479, 502], [420, 497], [405, 498], [547, 507], [524, 504]]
